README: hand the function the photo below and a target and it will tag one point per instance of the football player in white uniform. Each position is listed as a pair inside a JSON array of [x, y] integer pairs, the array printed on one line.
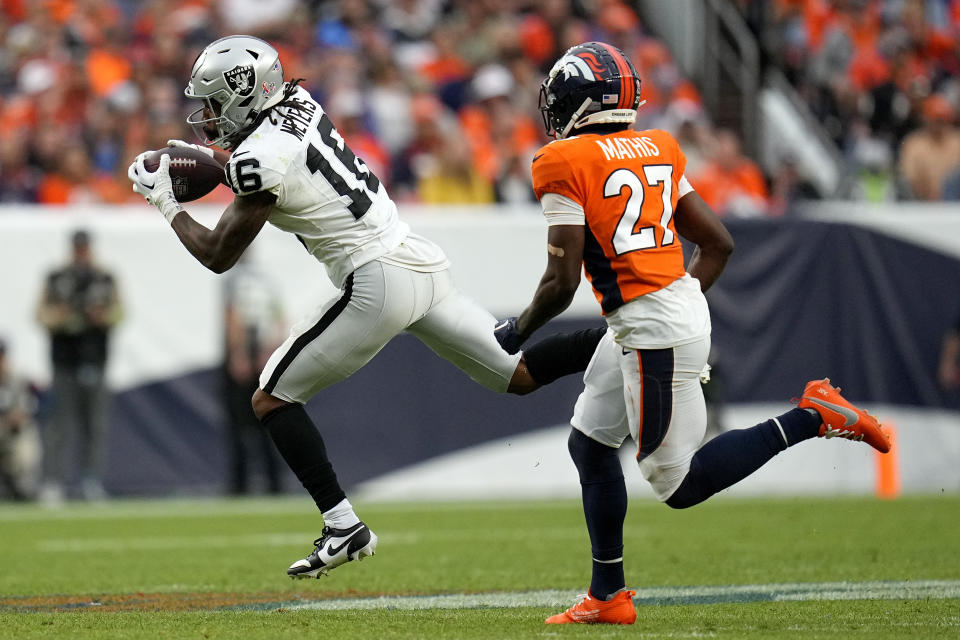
[[288, 166]]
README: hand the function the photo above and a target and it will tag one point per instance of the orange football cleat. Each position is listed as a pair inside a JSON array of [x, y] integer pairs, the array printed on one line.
[[840, 418], [617, 610]]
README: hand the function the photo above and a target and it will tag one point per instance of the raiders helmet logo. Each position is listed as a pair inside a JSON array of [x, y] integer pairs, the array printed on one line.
[[240, 79]]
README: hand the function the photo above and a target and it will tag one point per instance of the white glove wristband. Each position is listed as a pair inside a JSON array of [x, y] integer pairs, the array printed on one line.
[[169, 207]]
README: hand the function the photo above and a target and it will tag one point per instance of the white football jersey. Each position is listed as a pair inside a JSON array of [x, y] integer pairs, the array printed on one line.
[[326, 196]]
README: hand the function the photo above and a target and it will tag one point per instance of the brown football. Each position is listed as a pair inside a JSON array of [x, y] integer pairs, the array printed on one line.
[[194, 173]]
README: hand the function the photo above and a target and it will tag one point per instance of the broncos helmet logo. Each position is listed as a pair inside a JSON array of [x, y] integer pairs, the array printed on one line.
[[595, 65], [575, 66], [582, 65]]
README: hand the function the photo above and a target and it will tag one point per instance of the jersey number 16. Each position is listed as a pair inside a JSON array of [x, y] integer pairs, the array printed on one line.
[[361, 196]]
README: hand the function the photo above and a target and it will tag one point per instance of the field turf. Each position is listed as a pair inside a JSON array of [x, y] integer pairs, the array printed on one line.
[[761, 568]]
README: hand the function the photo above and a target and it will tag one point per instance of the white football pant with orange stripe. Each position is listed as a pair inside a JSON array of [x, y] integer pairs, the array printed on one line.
[[653, 396]]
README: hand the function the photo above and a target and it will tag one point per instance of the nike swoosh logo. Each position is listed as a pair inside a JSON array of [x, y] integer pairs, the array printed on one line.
[[625, 352], [536, 157], [849, 416], [332, 550], [585, 615], [240, 153], [841, 433]]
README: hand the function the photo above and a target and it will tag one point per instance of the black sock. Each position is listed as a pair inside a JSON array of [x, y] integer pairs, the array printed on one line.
[[562, 354], [604, 507], [301, 445], [734, 455]]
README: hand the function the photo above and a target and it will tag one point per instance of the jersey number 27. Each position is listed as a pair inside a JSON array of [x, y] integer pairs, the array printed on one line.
[[629, 235]]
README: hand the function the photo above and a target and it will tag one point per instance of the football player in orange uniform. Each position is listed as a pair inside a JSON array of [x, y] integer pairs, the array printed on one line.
[[617, 203]]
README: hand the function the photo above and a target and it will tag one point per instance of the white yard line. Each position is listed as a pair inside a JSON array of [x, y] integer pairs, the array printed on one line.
[[809, 591]]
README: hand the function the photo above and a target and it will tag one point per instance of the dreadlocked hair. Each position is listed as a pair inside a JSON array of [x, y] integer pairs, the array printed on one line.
[[289, 88]]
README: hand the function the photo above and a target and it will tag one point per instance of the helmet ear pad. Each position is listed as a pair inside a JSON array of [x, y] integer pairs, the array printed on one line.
[[592, 83]]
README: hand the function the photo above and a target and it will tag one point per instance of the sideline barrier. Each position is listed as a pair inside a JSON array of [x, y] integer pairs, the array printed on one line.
[[772, 328]]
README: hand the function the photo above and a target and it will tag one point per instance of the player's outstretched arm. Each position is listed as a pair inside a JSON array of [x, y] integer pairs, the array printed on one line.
[[560, 279], [696, 221], [219, 248]]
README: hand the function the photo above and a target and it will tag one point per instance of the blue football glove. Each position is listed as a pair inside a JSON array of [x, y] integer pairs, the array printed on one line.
[[507, 335]]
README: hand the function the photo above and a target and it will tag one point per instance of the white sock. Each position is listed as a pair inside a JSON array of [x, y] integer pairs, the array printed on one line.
[[341, 516]]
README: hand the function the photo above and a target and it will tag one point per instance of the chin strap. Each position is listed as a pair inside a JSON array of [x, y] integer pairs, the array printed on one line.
[[628, 116], [575, 117]]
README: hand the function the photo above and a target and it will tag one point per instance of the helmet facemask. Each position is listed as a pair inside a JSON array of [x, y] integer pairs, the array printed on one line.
[[208, 120], [546, 103]]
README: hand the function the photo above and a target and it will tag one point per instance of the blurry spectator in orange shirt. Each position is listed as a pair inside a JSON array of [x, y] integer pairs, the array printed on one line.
[[496, 132], [347, 110], [731, 183], [931, 153], [68, 184], [108, 67]]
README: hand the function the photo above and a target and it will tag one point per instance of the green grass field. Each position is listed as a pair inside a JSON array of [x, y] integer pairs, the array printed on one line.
[[728, 568]]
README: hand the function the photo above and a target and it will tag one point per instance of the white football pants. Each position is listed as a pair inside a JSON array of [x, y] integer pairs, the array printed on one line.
[[651, 395], [379, 301]]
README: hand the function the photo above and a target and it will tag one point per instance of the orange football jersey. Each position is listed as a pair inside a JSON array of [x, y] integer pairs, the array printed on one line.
[[628, 185]]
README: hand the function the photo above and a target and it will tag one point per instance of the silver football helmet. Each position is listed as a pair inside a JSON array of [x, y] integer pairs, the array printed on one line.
[[236, 78]]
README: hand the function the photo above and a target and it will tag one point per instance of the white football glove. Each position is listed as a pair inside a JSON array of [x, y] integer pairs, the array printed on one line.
[[181, 143], [156, 187]]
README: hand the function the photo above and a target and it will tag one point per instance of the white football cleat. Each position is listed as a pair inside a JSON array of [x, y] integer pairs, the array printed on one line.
[[333, 548]]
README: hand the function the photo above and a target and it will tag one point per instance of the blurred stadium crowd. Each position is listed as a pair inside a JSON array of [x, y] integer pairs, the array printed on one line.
[[883, 76], [440, 96]]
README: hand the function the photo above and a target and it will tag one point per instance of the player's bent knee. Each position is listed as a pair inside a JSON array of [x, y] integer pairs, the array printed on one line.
[[263, 403], [679, 501], [521, 389], [595, 462], [522, 382], [692, 491]]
